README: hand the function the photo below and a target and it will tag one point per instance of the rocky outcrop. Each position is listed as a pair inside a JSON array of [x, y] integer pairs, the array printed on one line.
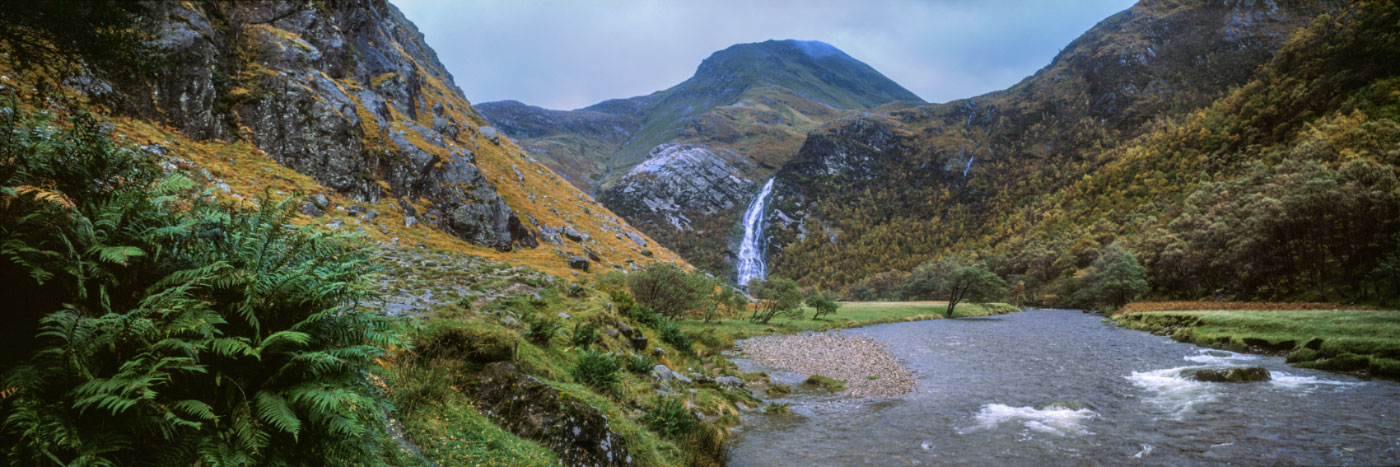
[[345, 92], [678, 180], [579, 433]]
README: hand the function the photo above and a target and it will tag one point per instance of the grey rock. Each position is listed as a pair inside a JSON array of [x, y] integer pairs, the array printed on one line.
[[572, 234], [371, 214], [579, 263], [611, 333], [665, 374], [564, 315], [320, 200], [409, 221], [729, 381], [491, 134], [310, 209]]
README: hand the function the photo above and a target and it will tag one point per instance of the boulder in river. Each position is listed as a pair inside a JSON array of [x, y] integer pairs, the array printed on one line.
[[1231, 375]]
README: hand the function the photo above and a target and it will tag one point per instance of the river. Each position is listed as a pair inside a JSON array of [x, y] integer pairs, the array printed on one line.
[[1062, 387]]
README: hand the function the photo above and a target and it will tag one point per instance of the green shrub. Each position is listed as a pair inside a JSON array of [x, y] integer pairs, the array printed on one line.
[[670, 419], [622, 300], [668, 289], [585, 334], [672, 334], [597, 369], [544, 327], [640, 364], [644, 316]]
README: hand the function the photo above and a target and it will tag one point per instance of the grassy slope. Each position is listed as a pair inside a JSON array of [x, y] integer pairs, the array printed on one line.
[[1362, 341], [444, 423]]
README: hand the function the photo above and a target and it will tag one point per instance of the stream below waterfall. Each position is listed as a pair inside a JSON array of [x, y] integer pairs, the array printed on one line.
[[1061, 387]]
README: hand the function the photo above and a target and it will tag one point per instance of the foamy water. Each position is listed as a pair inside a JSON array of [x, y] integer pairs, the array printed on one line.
[[1052, 420]]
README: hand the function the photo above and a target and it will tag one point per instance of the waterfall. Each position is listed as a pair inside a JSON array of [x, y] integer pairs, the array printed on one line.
[[751, 249]]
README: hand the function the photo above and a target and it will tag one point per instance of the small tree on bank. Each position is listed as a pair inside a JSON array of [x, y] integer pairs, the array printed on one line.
[[778, 296], [949, 281], [822, 306]]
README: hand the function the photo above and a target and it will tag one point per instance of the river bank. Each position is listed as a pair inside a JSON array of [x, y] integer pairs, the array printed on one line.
[[1361, 342]]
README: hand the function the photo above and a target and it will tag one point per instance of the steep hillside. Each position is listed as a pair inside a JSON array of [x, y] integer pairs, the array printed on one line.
[[871, 193], [1288, 188], [347, 100], [745, 111]]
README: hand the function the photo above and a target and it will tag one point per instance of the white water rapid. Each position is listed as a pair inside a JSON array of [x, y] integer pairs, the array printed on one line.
[[751, 249]]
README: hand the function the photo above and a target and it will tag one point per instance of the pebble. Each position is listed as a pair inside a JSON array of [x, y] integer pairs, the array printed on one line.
[[854, 360]]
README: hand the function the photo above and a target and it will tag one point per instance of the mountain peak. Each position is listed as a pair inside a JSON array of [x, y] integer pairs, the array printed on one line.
[[814, 69]]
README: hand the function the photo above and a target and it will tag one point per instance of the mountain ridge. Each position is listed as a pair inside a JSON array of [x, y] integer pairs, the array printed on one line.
[[755, 101]]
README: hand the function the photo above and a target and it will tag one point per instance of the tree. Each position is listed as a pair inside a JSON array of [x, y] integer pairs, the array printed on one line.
[[822, 306], [779, 296], [668, 290], [1114, 279], [950, 281]]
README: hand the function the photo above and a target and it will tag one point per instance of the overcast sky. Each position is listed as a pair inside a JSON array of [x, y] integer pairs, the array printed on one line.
[[566, 54]]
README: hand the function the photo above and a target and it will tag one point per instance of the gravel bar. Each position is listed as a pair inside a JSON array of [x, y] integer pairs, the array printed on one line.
[[854, 360]]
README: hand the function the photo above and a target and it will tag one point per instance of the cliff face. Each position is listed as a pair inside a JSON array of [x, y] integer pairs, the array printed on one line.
[[919, 179], [349, 95]]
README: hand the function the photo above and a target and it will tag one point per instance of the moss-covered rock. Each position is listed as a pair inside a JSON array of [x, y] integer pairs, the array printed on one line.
[[1231, 375], [579, 433]]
